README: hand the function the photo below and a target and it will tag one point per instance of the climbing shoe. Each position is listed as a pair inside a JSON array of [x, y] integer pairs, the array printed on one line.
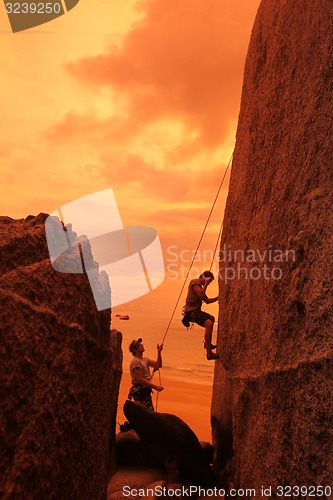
[[212, 356], [186, 321], [212, 346]]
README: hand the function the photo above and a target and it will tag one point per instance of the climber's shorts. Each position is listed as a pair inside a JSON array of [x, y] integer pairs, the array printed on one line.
[[199, 317]]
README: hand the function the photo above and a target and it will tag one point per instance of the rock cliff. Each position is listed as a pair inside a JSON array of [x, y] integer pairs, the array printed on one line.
[[60, 373], [272, 398]]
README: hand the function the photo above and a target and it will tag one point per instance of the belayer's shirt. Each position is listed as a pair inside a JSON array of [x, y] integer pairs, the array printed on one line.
[[193, 302], [142, 363]]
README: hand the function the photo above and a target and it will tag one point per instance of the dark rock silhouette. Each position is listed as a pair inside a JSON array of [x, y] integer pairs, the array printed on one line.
[[171, 441], [130, 450], [60, 372], [272, 399]]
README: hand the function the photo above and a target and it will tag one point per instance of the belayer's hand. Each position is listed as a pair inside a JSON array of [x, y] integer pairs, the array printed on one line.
[[159, 348], [159, 388]]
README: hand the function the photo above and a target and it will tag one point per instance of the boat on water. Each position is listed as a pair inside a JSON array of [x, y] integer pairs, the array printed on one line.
[[121, 316]]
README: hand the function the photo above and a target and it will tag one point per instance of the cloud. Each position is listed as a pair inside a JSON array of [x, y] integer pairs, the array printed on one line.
[[182, 61], [152, 115], [159, 184]]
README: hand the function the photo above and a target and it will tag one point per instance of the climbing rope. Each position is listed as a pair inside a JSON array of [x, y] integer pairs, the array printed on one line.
[[221, 227], [197, 249], [193, 259]]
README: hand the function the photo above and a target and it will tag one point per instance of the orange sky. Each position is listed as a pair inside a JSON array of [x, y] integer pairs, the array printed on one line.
[[141, 96]]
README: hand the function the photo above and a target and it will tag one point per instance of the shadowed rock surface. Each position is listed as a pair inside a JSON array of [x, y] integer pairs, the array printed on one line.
[[130, 450], [171, 441], [272, 399], [60, 372]]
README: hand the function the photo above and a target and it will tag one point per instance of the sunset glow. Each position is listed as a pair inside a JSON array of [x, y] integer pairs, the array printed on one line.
[[142, 97]]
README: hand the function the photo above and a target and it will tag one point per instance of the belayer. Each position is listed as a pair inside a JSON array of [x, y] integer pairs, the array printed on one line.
[[142, 387], [192, 310]]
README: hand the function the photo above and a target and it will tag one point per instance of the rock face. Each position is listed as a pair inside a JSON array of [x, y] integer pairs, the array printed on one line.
[[172, 442], [131, 451], [60, 372], [272, 399]]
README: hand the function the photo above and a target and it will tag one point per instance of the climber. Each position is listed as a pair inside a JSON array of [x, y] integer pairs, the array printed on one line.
[[142, 386], [192, 309]]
